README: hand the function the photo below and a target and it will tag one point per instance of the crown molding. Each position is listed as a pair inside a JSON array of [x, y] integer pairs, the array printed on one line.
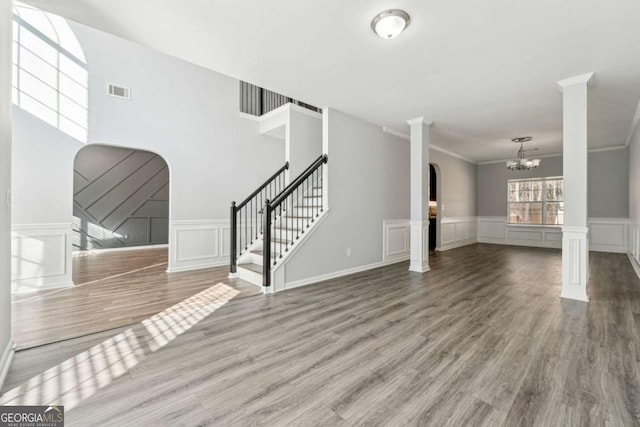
[[634, 126], [452, 154], [394, 132], [419, 120], [576, 80], [406, 137], [546, 156]]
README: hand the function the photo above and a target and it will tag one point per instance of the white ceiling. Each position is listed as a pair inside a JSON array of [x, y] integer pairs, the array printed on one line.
[[482, 71]]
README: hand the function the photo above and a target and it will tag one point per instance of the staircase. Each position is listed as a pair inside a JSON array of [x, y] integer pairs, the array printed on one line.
[[268, 225]]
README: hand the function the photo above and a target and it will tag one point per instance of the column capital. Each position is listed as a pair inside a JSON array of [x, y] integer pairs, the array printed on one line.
[[419, 121], [576, 80]]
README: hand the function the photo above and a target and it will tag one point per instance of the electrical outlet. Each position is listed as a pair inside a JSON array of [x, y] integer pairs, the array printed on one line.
[[348, 251], [8, 198]]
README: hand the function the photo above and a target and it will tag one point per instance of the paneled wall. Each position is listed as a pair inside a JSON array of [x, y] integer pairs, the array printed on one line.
[[120, 198], [605, 234]]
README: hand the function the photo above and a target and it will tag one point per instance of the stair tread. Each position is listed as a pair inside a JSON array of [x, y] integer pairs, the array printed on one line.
[[251, 267]]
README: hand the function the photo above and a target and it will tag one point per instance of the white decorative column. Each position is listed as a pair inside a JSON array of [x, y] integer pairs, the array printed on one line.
[[575, 231], [419, 195]]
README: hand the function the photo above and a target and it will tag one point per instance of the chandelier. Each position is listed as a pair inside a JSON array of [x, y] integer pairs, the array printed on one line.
[[522, 164]]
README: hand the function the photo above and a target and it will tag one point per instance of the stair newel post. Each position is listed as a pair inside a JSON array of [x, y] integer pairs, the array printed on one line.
[[266, 250], [234, 238]]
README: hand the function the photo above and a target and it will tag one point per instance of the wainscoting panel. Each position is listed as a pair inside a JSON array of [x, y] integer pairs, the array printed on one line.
[[608, 234], [605, 234], [396, 240], [458, 231], [40, 257], [199, 244]]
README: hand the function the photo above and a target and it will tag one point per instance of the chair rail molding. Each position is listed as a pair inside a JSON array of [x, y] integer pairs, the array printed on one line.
[[41, 256]]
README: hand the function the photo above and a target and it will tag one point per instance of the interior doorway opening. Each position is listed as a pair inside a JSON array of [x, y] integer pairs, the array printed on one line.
[[435, 208], [120, 202]]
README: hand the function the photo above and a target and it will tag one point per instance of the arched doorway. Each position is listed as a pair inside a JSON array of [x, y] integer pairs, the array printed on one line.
[[120, 201], [435, 207]]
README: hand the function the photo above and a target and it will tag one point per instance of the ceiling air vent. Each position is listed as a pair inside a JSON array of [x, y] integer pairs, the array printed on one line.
[[119, 91]]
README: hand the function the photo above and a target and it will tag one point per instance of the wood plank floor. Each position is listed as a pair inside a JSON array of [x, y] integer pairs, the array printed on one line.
[[482, 339], [113, 289]]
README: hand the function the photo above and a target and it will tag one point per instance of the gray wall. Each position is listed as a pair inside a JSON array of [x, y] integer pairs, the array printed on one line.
[[304, 143], [185, 113], [634, 178], [5, 181], [458, 184], [120, 198], [368, 172], [608, 184]]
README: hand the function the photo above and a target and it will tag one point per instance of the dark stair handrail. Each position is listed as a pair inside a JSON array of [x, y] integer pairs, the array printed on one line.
[[244, 216], [304, 185]]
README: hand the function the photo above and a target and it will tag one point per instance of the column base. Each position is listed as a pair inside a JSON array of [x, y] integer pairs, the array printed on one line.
[[575, 263], [419, 246]]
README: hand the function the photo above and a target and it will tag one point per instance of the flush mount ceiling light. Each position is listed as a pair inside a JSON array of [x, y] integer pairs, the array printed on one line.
[[390, 23], [522, 164]]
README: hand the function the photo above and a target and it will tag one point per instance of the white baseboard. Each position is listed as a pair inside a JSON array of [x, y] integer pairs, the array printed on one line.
[[635, 264], [529, 243], [198, 266], [457, 244], [346, 272], [5, 361], [80, 252]]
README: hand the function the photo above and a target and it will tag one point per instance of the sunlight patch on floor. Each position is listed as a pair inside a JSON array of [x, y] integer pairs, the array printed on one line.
[[81, 376]]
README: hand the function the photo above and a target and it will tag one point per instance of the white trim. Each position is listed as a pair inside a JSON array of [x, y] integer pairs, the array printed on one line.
[[603, 149], [634, 126], [200, 222], [577, 80], [395, 224], [547, 156], [632, 260], [406, 137], [53, 268], [394, 132], [283, 108], [124, 248], [452, 154], [419, 121], [250, 117], [198, 266], [341, 273], [189, 253], [606, 234], [456, 244], [456, 232], [5, 361], [49, 226]]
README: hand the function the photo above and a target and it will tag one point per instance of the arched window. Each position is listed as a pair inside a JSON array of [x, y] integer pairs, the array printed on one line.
[[50, 78]]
